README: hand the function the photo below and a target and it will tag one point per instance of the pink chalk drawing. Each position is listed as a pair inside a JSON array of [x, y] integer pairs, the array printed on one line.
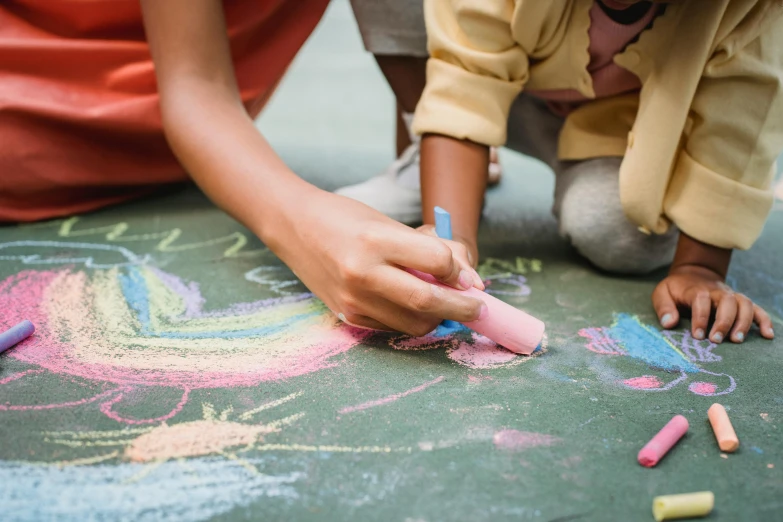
[[465, 347], [107, 315], [129, 326], [674, 352], [390, 398]]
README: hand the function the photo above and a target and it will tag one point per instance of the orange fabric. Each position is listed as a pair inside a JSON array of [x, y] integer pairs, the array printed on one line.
[[80, 123]]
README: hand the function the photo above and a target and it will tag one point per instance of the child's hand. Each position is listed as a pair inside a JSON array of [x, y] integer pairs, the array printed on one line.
[[462, 248], [696, 282]]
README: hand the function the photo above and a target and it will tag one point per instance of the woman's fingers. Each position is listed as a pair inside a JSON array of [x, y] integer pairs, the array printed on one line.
[[430, 255], [421, 297]]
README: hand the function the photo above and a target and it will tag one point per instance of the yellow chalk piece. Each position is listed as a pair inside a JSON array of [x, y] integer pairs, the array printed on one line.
[[687, 505], [724, 431]]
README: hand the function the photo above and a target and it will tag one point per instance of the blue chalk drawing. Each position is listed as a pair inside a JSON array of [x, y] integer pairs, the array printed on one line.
[[198, 490], [670, 351]]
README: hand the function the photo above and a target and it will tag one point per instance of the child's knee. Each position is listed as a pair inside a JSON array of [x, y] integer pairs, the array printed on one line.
[[591, 217]]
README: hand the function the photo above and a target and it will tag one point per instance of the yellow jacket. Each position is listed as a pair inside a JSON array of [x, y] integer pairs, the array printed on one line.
[[699, 141]]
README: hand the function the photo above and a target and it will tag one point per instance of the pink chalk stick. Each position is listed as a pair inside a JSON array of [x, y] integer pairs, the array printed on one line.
[[660, 445], [508, 326]]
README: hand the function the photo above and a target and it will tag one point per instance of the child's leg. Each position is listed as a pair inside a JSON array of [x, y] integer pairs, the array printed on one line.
[[588, 209], [587, 197], [393, 31]]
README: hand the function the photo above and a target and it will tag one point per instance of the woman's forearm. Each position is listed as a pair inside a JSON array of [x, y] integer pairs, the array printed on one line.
[[217, 142], [454, 177]]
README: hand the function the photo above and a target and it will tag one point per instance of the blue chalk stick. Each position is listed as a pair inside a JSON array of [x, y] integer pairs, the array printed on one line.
[[442, 223], [443, 231], [15, 335]]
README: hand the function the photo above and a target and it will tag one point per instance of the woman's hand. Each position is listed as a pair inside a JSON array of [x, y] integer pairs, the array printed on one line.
[[354, 259], [696, 283], [462, 247]]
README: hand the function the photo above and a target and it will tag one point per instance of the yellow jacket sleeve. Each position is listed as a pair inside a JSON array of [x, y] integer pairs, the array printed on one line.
[[475, 71], [721, 187]]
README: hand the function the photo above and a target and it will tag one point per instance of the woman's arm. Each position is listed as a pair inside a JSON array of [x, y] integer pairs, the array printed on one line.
[[346, 253]]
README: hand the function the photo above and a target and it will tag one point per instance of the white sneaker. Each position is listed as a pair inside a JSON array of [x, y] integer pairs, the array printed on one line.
[[396, 192]]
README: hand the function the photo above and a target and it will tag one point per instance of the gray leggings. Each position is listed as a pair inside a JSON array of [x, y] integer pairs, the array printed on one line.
[[587, 193]]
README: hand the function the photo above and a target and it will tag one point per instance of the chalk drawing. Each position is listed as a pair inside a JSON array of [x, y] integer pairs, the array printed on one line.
[[469, 348], [130, 324], [167, 239], [675, 352], [515, 440], [203, 489], [390, 398]]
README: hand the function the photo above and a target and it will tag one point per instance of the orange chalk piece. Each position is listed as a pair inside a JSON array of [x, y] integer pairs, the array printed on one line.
[[721, 426], [659, 446]]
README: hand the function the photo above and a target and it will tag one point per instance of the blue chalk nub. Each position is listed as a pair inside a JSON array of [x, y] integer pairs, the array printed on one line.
[[443, 231], [442, 223]]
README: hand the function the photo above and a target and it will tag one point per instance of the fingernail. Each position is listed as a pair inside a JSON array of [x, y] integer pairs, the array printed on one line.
[[465, 279], [666, 319], [770, 332], [699, 334], [484, 312], [717, 337], [739, 336], [341, 316], [478, 280]]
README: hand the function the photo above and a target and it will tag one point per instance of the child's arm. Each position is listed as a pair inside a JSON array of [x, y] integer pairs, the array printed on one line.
[[720, 192], [453, 176], [346, 253], [696, 281], [475, 71]]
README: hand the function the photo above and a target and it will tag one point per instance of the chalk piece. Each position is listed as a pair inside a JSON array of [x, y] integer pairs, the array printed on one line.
[[443, 231], [686, 505], [510, 327], [442, 223], [721, 426], [657, 448], [15, 335]]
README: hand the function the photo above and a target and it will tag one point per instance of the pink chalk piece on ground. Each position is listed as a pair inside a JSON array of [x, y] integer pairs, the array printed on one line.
[[659, 446], [508, 326], [15, 335]]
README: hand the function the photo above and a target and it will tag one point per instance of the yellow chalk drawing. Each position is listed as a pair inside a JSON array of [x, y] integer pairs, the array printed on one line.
[[493, 267], [333, 449], [272, 404], [167, 239], [213, 434]]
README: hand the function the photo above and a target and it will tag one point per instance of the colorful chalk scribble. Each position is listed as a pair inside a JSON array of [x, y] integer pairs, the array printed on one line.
[[134, 325], [673, 352], [112, 318]]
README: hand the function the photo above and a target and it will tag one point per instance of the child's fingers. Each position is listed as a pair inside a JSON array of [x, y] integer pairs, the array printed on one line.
[[701, 306], [744, 319], [761, 318], [725, 315], [665, 307]]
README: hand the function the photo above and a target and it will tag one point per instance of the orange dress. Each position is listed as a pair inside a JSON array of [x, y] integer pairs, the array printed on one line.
[[80, 124]]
